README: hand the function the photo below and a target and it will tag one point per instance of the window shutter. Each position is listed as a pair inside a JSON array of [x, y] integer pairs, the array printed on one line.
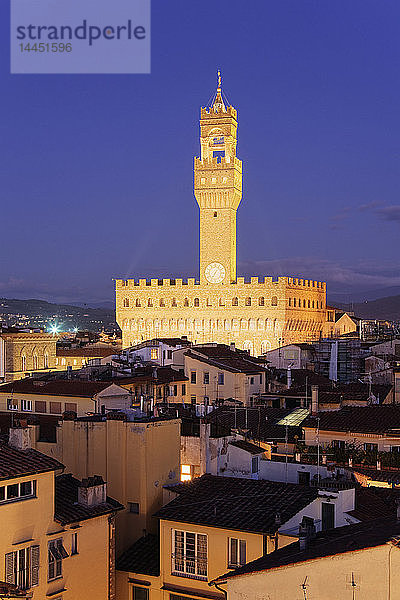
[[242, 552], [11, 567], [35, 561]]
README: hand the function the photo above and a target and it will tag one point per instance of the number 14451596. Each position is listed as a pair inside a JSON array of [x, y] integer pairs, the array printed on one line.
[[53, 47]]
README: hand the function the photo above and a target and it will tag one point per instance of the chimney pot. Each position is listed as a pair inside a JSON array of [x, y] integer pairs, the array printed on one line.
[[314, 399], [20, 438], [92, 491]]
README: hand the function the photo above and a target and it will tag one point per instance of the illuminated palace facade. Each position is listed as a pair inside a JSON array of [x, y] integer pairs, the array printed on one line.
[[257, 314]]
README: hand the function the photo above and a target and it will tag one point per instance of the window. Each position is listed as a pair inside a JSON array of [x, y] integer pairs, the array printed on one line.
[[371, 447], [196, 302], [46, 360], [248, 302], [139, 593], [193, 399], [173, 302], [186, 302], [193, 377], [261, 301], [206, 378], [236, 553], [40, 406], [154, 354], [235, 302], [303, 477], [26, 405], [221, 379], [274, 301], [14, 491], [23, 362], [134, 508], [328, 515], [22, 567], [126, 302], [137, 302], [150, 302], [74, 543], [71, 407], [162, 302], [186, 472], [56, 554], [338, 443], [189, 556], [169, 354], [215, 214], [251, 380], [183, 389], [255, 467], [55, 408], [12, 404]]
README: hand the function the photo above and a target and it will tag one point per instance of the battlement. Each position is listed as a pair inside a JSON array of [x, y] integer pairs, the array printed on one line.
[[218, 162], [289, 282], [207, 113]]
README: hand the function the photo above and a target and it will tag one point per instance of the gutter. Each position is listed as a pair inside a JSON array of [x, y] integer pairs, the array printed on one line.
[[219, 588]]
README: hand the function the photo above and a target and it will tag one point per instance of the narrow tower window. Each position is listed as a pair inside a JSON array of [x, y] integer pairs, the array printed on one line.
[[235, 302], [261, 301], [196, 302], [126, 302]]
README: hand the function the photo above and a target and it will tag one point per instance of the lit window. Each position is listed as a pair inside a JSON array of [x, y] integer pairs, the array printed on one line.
[[23, 362], [234, 301], [224, 179], [248, 302], [186, 472], [46, 360], [63, 361], [213, 179], [12, 404], [261, 301], [126, 302], [26, 405], [75, 361], [274, 301], [202, 180], [137, 302], [35, 362], [154, 353], [196, 302]]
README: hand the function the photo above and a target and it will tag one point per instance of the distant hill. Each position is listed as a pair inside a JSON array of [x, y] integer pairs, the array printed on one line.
[[382, 308], [38, 313]]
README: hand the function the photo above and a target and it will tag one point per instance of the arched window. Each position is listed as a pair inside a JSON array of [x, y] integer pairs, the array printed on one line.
[[150, 302], [274, 301], [261, 301], [46, 360], [294, 302], [35, 362], [235, 302], [309, 304], [162, 302], [290, 301], [248, 302], [173, 302], [23, 362], [126, 302], [313, 304], [196, 302], [186, 302], [221, 302], [304, 303], [137, 302]]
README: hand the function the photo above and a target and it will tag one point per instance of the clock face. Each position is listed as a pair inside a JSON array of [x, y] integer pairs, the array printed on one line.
[[215, 272]]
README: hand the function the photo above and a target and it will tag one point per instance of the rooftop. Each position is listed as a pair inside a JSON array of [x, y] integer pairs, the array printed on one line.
[[55, 387], [247, 447], [18, 463], [89, 351], [67, 509], [259, 423], [332, 542], [143, 557], [222, 356], [236, 503], [384, 419]]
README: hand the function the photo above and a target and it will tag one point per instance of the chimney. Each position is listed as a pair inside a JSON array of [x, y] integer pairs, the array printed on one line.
[[92, 491], [289, 378], [20, 438], [232, 346], [314, 399], [306, 532]]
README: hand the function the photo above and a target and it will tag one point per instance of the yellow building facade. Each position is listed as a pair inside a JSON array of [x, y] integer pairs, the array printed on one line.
[[257, 314], [25, 352], [53, 544]]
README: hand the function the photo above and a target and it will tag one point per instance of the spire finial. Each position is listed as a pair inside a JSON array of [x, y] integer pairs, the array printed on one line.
[[219, 79]]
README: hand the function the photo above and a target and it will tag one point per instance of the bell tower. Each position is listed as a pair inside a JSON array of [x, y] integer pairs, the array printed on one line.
[[218, 190]]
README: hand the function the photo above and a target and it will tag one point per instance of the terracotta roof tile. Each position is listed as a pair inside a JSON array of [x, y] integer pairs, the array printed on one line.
[[143, 557], [17, 463]]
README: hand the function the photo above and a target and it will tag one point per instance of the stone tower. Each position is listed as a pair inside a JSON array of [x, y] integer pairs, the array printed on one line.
[[218, 191]]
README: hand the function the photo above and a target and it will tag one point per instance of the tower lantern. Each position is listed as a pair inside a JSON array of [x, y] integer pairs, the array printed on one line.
[[218, 190]]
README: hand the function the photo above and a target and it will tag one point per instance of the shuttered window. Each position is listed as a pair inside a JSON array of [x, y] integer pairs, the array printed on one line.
[[22, 567], [189, 557]]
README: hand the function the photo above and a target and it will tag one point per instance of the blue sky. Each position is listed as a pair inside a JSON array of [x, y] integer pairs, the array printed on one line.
[[96, 173]]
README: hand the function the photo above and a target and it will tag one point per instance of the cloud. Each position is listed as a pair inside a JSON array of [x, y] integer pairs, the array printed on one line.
[[389, 213], [362, 274]]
